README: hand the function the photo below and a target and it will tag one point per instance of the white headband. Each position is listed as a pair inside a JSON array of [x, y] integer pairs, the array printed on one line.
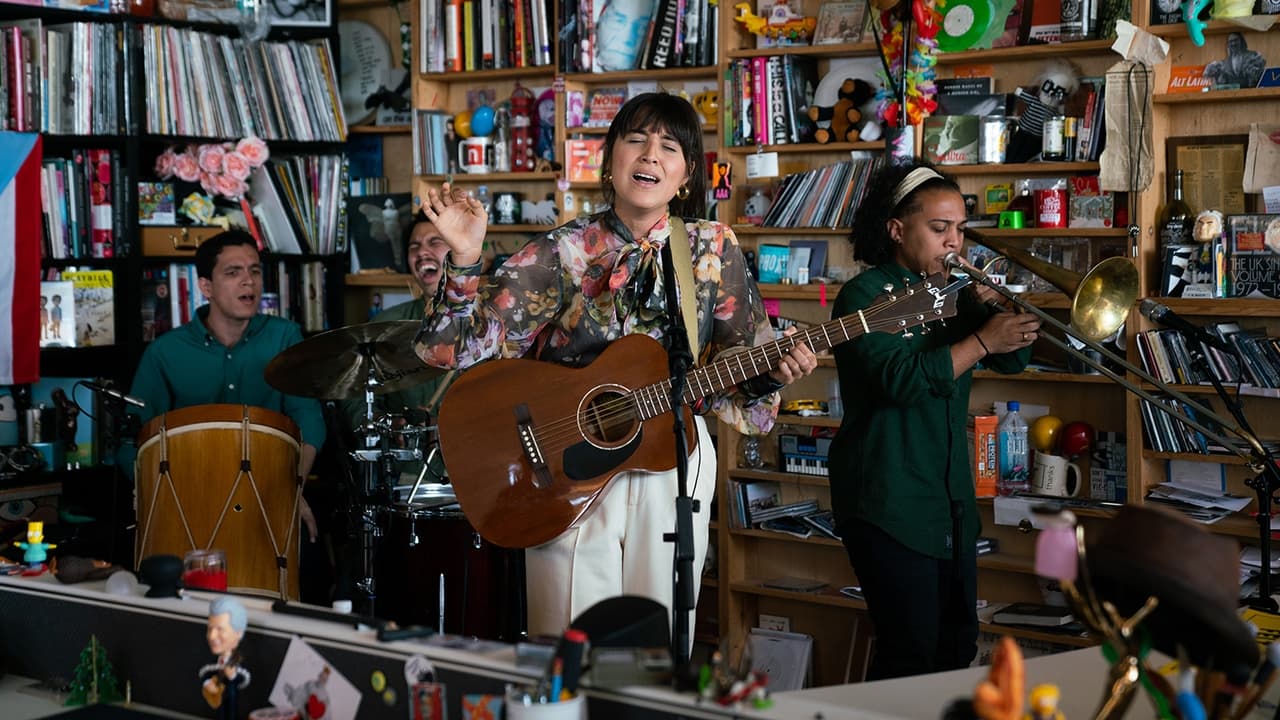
[[913, 180]]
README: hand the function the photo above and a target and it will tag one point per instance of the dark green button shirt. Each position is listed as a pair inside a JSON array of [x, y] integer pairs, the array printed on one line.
[[188, 366], [900, 456]]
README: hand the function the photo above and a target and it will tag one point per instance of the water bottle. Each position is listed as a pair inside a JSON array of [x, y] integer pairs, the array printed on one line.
[[1015, 470], [482, 195]]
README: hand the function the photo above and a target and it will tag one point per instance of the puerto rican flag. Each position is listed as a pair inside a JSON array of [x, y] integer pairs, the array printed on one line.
[[20, 216]]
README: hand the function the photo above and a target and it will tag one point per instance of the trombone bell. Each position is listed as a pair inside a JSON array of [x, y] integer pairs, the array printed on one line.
[[1100, 299]]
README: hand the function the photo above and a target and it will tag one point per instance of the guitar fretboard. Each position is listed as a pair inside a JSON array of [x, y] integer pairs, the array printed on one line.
[[915, 305]]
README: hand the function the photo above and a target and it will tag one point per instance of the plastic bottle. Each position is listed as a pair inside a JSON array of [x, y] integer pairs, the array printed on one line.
[[482, 194], [1015, 471]]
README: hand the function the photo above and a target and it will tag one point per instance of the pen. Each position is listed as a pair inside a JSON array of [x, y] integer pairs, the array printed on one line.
[[1189, 705], [557, 668], [441, 620], [570, 651]]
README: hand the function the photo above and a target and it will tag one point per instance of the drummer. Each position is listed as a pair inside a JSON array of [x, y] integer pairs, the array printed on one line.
[[424, 250], [222, 354]]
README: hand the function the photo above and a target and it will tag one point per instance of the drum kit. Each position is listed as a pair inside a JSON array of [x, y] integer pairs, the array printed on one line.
[[418, 559]]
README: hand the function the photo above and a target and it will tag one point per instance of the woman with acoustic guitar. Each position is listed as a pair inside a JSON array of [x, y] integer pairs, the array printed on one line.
[[564, 299]]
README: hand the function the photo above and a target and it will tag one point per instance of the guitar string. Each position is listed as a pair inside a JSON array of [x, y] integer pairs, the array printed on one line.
[[557, 434], [551, 434]]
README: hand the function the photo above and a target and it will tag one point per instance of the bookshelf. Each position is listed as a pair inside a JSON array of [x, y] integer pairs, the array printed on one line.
[[133, 105]]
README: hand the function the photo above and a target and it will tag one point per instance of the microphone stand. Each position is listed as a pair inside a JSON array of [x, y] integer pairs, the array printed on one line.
[[680, 359], [1264, 484]]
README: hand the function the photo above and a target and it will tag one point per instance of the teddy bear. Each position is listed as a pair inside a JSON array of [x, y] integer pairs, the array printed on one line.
[[845, 115]]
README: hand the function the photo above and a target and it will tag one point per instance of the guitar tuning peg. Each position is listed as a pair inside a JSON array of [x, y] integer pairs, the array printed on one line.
[[887, 287]]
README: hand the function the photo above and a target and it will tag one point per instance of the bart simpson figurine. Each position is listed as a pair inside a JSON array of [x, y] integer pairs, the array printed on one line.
[[35, 549], [1044, 703]]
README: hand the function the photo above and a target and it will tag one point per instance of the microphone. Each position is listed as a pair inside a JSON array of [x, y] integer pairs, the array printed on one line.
[[102, 389], [1161, 314]]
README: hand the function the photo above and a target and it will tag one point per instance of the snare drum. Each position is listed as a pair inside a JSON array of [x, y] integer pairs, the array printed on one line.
[[483, 583], [231, 483]]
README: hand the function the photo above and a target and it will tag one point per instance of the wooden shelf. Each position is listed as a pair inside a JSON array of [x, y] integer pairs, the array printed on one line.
[[861, 49], [874, 145], [751, 475], [492, 177], [1052, 232], [808, 291], [1049, 377], [788, 231], [378, 279], [1217, 96], [380, 130], [819, 421], [1223, 307], [1220, 459], [1213, 27], [1024, 52], [1007, 563], [680, 73], [1035, 168], [584, 130], [826, 596], [784, 537], [489, 76]]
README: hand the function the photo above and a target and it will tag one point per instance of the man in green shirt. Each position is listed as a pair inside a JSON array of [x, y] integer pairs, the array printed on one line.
[[221, 355], [424, 251]]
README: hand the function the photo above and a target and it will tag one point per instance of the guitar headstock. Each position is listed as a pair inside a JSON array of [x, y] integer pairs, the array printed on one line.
[[933, 298]]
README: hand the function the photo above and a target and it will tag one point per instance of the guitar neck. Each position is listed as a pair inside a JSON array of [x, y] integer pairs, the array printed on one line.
[[909, 307], [653, 400]]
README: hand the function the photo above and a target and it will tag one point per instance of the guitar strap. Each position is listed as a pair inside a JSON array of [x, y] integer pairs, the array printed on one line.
[[682, 260]]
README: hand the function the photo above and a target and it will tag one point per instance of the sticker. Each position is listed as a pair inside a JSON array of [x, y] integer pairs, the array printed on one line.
[[481, 707], [428, 701], [418, 669], [389, 696], [378, 681], [762, 165]]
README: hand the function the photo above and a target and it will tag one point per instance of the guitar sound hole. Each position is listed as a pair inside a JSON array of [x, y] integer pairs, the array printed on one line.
[[608, 418]]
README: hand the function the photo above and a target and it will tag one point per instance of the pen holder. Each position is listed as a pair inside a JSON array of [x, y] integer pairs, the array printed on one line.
[[522, 704]]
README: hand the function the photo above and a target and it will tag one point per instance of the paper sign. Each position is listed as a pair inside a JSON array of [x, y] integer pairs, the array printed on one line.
[[1271, 199], [772, 307], [309, 684], [762, 165]]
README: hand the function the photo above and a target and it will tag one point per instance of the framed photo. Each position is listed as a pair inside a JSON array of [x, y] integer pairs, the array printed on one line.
[[1212, 172], [309, 13], [840, 22]]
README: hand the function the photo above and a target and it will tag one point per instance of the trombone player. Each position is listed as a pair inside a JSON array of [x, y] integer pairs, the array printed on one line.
[[901, 486]]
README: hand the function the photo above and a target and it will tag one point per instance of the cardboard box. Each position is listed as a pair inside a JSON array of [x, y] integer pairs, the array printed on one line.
[[983, 456]]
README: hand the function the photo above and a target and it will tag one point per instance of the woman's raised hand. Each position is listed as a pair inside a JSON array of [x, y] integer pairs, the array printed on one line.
[[461, 220]]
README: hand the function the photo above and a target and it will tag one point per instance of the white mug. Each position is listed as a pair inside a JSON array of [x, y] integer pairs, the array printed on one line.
[[1054, 475], [475, 154]]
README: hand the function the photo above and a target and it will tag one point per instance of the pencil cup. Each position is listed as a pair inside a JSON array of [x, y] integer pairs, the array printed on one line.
[[574, 708]]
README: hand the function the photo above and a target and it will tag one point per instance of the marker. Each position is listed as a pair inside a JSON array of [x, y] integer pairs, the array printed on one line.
[[557, 668], [570, 650], [1189, 705]]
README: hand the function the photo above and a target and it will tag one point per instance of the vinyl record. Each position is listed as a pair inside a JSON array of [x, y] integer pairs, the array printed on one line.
[[963, 24], [366, 64]]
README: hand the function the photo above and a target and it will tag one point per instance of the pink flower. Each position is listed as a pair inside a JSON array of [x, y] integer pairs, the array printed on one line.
[[254, 150], [209, 181], [229, 186], [165, 163], [210, 158], [186, 167], [236, 165]]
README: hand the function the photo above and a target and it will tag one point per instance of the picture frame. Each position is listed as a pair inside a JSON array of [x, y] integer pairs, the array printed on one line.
[[299, 13], [840, 23], [1204, 187]]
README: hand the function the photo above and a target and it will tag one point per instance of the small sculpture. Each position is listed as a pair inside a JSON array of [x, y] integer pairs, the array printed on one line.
[[35, 549], [223, 679]]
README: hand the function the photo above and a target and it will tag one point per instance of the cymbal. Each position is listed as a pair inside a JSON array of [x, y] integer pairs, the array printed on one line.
[[336, 364]]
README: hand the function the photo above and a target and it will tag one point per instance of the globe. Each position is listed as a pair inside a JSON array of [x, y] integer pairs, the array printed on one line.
[[482, 121]]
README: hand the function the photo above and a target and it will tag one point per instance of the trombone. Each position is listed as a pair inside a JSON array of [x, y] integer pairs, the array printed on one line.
[[1100, 303]]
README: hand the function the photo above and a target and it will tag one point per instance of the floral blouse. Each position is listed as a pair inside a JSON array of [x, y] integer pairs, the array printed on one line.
[[569, 293]]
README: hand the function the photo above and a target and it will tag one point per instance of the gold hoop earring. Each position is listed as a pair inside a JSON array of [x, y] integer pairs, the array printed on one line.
[[683, 192]]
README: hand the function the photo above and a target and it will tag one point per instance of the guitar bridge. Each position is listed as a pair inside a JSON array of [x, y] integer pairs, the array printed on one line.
[[529, 446]]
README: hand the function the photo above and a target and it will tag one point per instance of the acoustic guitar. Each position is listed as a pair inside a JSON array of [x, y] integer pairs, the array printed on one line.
[[529, 444]]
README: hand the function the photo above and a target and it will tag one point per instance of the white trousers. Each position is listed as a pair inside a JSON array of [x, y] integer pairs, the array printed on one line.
[[617, 549]]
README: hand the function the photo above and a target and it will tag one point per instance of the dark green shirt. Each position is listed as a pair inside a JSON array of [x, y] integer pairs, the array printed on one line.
[[900, 456], [188, 366]]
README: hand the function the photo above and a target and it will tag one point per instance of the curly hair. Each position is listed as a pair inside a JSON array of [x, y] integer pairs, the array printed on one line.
[[870, 236], [652, 112]]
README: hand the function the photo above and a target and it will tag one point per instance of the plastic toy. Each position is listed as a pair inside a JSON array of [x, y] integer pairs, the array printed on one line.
[[223, 679], [35, 549], [1044, 703], [782, 24], [908, 93], [843, 117]]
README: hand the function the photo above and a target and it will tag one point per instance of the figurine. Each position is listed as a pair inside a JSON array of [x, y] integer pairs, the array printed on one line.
[[223, 680], [1208, 226], [35, 549], [1044, 703]]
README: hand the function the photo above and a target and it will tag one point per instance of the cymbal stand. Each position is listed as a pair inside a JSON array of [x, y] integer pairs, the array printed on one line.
[[380, 473]]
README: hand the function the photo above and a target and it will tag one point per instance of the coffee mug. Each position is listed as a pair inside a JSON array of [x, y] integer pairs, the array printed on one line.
[[1055, 475], [475, 154]]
